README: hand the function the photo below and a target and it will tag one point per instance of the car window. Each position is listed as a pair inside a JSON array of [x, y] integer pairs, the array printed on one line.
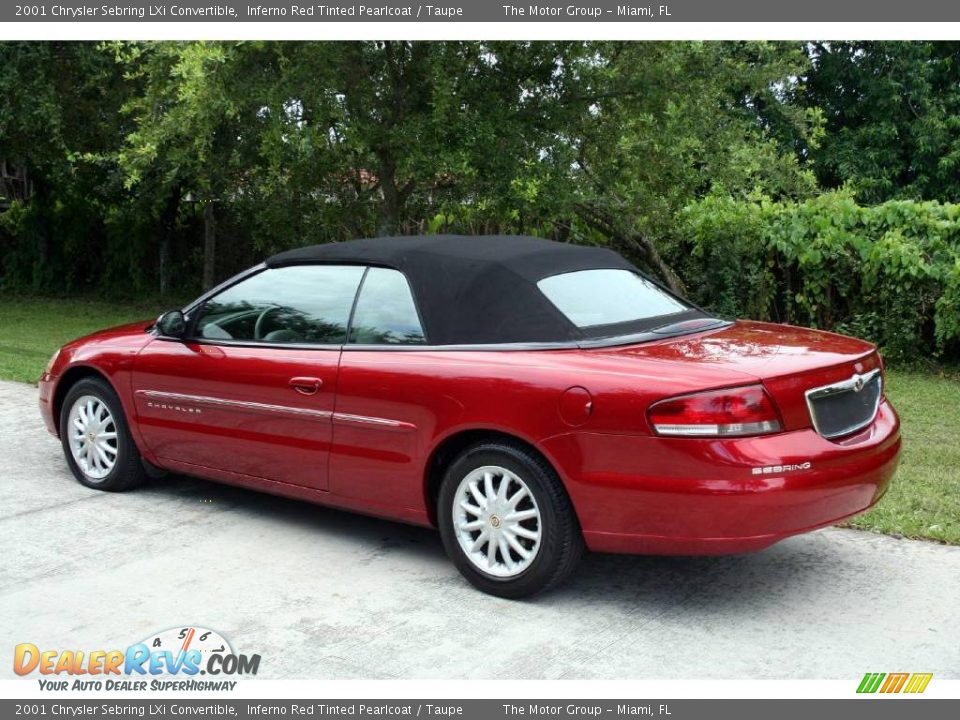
[[298, 304], [606, 297], [386, 313]]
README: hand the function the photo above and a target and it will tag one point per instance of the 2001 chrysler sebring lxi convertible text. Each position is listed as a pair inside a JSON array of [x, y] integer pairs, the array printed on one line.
[[528, 398]]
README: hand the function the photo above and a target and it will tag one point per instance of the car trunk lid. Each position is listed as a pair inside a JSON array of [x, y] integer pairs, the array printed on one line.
[[789, 361]]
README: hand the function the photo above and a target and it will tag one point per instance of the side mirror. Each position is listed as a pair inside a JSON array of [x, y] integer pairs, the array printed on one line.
[[172, 324]]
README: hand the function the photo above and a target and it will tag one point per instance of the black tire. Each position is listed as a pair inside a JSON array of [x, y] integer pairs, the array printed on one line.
[[127, 471], [561, 542]]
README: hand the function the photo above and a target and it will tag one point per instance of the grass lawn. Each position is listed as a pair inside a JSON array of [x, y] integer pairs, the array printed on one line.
[[924, 498], [923, 502], [31, 329]]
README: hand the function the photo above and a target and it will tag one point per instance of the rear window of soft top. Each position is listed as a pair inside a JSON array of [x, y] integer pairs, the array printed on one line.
[[592, 298]]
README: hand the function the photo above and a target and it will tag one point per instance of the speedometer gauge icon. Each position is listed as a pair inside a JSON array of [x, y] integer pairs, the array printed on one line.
[[179, 640]]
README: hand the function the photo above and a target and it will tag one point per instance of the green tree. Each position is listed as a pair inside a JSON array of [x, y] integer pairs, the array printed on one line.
[[394, 134], [892, 112], [188, 131], [57, 116], [673, 122], [281, 144]]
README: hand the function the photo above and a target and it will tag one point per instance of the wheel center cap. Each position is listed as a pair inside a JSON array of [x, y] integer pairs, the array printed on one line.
[[494, 521]]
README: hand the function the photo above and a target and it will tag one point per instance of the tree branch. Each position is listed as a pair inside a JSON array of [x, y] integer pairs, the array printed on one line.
[[630, 243]]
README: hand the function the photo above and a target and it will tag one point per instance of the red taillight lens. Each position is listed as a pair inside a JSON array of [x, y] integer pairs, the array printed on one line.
[[883, 378], [717, 413]]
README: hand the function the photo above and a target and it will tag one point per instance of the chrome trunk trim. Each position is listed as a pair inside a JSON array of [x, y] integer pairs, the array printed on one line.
[[854, 384]]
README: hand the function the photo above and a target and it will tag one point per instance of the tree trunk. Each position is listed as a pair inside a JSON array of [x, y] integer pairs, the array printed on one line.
[[42, 272], [390, 211], [389, 214], [164, 265], [165, 229], [394, 198], [209, 245]]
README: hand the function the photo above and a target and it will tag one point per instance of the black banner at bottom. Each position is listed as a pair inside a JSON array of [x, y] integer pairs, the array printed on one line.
[[874, 708]]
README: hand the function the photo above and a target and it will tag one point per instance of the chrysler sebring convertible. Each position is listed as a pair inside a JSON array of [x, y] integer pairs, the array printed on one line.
[[529, 399]]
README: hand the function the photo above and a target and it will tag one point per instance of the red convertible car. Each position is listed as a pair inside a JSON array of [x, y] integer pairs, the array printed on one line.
[[528, 398]]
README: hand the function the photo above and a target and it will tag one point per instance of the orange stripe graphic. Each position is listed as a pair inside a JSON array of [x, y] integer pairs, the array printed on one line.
[[894, 682]]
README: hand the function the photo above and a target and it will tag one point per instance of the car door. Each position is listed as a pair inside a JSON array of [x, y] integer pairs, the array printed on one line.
[[384, 415], [251, 391]]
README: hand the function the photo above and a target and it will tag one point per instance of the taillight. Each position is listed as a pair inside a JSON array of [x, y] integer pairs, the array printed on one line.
[[883, 378], [717, 413]]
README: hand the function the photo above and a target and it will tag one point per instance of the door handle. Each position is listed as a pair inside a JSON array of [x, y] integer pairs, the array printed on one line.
[[306, 385]]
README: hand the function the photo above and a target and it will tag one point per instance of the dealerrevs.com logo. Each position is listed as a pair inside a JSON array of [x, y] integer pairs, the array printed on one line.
[[169, 660]]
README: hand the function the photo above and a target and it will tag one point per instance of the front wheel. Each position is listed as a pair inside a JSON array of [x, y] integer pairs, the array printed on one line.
[[506, 521], [96, 440]]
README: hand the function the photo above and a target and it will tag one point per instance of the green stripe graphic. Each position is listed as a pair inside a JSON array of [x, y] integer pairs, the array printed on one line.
[[870, 682]]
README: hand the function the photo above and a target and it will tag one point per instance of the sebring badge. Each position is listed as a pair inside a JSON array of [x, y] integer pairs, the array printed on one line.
[[777, 469]]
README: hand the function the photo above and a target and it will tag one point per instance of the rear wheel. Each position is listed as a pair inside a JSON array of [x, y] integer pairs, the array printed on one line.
[[96, 439], [506, 521]]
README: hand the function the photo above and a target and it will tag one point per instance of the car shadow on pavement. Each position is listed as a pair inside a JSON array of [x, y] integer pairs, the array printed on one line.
[[606, 579], [299, 514]]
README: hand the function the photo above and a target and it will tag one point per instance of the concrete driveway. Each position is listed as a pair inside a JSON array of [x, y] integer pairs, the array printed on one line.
[[324, 594]]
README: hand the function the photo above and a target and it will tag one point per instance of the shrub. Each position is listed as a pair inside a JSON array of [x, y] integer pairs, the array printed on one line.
[[889, 272]]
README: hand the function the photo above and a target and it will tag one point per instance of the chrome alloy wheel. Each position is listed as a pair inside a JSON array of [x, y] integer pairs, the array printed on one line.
[[497, 521], [93, 437]]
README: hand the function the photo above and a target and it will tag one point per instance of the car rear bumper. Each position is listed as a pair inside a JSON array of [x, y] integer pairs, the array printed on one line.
[[687, 496]]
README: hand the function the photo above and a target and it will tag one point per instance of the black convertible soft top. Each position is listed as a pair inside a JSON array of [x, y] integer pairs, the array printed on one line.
[[475, 289]]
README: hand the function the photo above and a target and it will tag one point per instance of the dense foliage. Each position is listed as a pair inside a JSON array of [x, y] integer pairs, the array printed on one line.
[[807, 182], [889, 272], [892, 118]]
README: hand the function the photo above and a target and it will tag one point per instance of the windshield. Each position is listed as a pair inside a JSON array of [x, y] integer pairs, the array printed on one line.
[[592, 298]]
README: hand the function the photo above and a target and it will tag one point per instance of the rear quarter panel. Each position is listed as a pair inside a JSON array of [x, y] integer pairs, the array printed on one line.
[[429, 396]]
